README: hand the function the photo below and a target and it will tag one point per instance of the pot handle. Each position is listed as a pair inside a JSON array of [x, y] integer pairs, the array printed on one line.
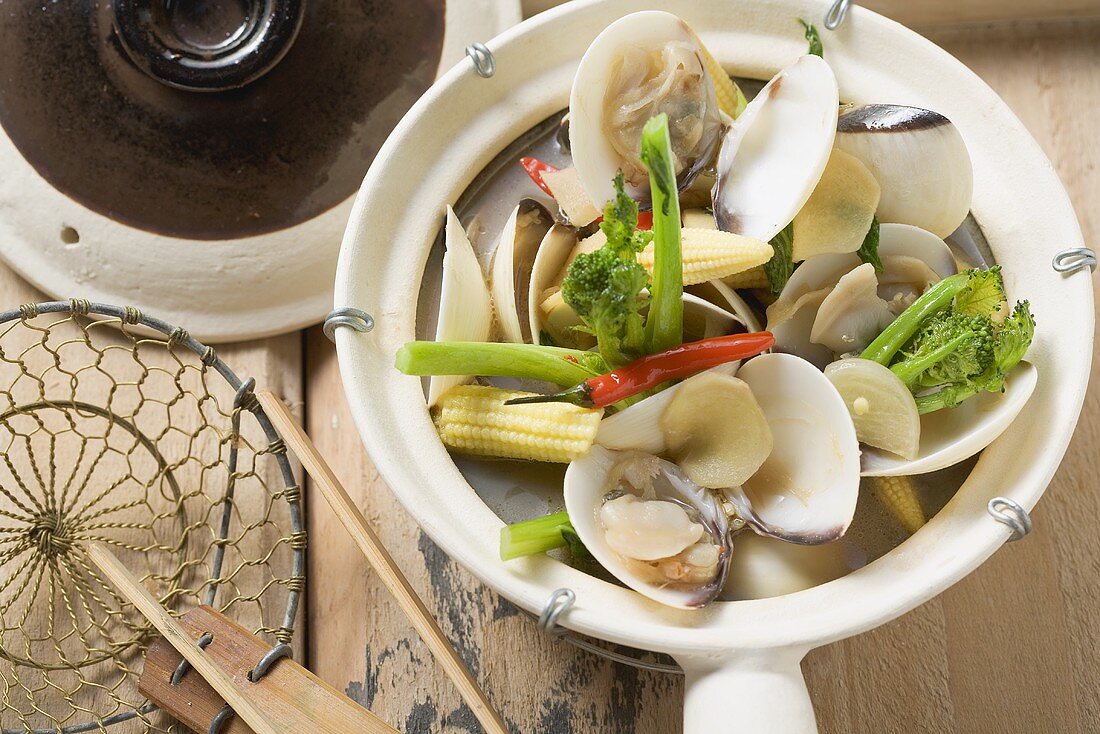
[[763, 693]]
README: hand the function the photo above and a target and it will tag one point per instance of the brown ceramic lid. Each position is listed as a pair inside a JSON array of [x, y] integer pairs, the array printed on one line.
[[211, 119]]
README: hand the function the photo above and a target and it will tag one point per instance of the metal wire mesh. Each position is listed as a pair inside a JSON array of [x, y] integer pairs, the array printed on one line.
[[124, 430]]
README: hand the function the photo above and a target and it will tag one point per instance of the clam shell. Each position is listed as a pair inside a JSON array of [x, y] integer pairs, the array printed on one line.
[[721, 295], [774, 153], [513, 261], [807, 489], [918, 158], [585, 488], [595, 157], [552, 254], [823, 272]]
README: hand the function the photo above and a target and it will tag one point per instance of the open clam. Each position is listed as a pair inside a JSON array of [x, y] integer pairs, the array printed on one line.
[[649, 525], [550, 259], [785, 456], [465, 309], [773, 155], [912, 260], [641, 65], [512, 266]]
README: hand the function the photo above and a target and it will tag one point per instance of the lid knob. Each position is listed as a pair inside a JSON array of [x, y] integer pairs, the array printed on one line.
[[207, 45]]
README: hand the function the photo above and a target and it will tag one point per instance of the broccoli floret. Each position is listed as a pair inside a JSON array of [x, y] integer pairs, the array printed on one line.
[[1013, 339], [974, 292], [605, 287], [950, 347], [984, 294]]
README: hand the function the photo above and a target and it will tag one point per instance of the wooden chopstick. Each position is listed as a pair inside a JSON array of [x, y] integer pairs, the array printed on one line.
[[380, 559], [218, 679]]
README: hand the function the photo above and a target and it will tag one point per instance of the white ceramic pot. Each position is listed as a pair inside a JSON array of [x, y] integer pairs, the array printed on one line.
[[741, 658]]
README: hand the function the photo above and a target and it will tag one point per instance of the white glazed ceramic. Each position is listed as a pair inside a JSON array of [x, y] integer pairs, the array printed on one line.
[[741, 658], [225, 290]]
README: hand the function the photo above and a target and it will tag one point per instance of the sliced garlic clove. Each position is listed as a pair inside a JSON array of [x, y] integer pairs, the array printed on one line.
[[774, 153], [572, 199], [558, 319], [882, 407], [715, 431], [698, 219], [465, 309], [838, 214]]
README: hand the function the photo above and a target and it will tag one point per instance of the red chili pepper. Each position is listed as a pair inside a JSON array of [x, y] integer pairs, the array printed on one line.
[[645, 220], [650, 371], [535, 168]]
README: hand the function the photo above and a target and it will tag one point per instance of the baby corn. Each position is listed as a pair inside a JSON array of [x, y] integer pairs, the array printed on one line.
[[473, 419], [731, 99], [709, 254], [899, 495]]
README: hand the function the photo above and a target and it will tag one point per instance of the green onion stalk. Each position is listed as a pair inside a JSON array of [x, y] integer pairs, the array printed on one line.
[[665, 322], [531, 537], [560, 366]]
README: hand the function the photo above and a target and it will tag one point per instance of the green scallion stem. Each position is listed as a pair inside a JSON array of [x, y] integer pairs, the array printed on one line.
[[665, 322], [563, 367], [532, 537], [894, 336]]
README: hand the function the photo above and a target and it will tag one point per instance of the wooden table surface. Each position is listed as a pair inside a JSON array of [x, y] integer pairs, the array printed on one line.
[[1012, 648]]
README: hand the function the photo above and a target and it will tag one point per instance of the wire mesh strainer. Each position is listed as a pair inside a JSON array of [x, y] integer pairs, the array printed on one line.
[[123, 429]]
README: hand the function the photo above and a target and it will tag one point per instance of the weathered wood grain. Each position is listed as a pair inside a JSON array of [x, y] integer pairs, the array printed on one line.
[[1011, 648]]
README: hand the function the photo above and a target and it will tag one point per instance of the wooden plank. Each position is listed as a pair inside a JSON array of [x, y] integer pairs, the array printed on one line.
[[1013, 646], [930, 13], [1010, 648], [324, 480], [288, 693]]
